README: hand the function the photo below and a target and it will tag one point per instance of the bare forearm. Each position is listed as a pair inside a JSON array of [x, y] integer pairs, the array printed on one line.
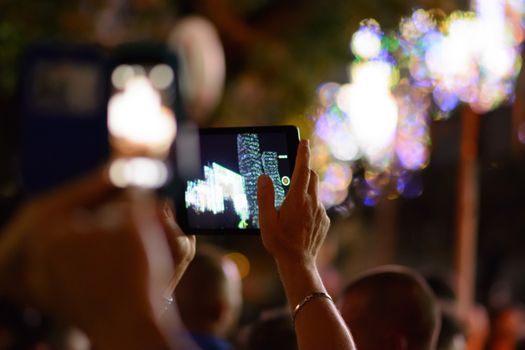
[[318, 324]]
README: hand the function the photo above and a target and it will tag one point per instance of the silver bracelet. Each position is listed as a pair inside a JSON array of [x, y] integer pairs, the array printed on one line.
[[308, 298]]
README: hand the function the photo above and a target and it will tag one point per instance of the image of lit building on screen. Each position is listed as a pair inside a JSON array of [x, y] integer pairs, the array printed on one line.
[[219, 186], [271, 168], [250, 167], [222, 188]]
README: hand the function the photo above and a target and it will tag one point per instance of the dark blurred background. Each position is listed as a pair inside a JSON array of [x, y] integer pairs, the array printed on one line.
[[276, 54]]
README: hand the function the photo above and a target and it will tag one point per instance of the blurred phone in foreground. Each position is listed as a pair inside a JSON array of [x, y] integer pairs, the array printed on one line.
[[218, 195], [65, 96]]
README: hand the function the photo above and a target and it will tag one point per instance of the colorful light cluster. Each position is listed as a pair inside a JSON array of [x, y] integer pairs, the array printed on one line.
[[374, 131], [358, 120], [470, 57]]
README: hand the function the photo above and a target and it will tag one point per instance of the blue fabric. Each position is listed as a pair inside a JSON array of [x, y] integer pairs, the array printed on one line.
[[208, 342]]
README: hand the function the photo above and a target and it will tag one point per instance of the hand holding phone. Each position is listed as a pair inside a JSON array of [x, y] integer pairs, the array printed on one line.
[[220, 195], [294, 234]]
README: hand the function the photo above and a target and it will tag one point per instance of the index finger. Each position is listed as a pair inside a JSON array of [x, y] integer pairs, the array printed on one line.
[[168, 219], [301, 173]]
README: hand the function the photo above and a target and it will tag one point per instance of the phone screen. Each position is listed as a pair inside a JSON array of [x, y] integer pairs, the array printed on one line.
[[221, 194]]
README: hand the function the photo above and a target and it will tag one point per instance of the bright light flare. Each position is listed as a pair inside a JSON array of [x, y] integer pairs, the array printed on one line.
[[451, 60], [500, 61], [374, 119], [121, 75], [371, 108], [140, 172], [372, 75], [137, 119], [475, 59], [366, 43]]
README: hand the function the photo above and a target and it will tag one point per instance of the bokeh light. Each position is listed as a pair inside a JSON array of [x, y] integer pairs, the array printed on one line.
[[366, 42], [241, 261], [379, 122], [138, 172], [161, 76]]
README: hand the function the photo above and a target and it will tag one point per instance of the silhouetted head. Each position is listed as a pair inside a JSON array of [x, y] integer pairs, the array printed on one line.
[[209, 295], [273, 330], [391, 307]]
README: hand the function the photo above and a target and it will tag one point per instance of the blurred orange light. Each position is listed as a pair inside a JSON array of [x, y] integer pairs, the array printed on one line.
[[241, 261]]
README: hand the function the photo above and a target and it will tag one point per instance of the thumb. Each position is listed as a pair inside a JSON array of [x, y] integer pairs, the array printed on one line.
[[266, 201]]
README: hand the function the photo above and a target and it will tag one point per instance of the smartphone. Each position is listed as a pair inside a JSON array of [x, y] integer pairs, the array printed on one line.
[[216, 192], [65, 94]]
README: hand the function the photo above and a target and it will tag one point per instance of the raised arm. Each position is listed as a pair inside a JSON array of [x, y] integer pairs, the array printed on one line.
[[90, 257], [182, 246], [293, 235]]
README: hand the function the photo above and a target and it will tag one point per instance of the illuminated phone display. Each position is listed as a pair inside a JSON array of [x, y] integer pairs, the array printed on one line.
[[221, 196]]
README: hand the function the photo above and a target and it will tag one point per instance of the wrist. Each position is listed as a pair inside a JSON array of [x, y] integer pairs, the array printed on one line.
[[299, 280], [304, 267], [296, 261]]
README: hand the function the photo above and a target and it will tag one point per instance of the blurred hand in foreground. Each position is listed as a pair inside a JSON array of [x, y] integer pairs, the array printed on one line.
[[93, 258], [182, 246]]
